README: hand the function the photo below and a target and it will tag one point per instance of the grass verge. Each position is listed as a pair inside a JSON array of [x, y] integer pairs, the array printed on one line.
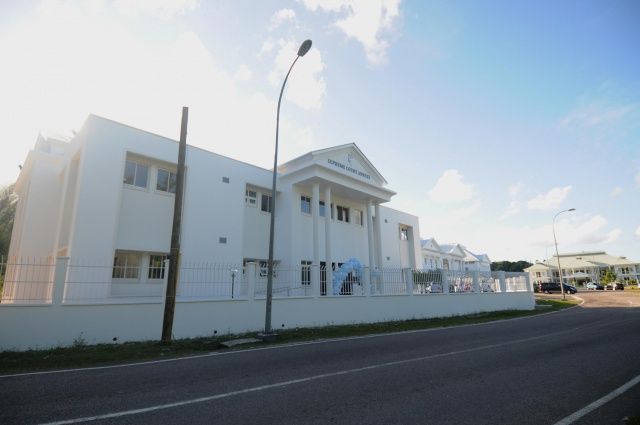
[[81, 355]]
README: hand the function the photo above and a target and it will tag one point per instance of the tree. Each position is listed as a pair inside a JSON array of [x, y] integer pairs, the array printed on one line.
[[7, 212], [609, 276], [509, 266]]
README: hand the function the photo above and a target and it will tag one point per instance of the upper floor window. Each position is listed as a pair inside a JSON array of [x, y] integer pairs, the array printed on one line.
[[322, 209], [305, 204], [404, 234], [266, 203], [251, 197], [343, 213], [136, 174], [166, 181]]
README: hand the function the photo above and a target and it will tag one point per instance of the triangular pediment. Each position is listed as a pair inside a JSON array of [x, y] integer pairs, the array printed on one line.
[[431, 245], [347, 160]]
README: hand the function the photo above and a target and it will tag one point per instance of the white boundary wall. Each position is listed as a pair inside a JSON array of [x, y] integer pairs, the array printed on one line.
[[44, 326]]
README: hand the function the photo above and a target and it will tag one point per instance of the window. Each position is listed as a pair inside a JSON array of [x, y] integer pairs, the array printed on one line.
[[266, 203], [305, 272], [166, 181], [404, 234], [357, 217], [264, 268], [251, 197], [343, 214], [225, 180], [305, 204], [126, 265], [156, 266], [322, 209], [222, 239], [135, 174]]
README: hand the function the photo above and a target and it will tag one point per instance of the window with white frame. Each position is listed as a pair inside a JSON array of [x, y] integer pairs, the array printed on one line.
[[166, 181], [305, 204], [357, 217], [126, 265], [305, 272], [251, 197], [343, 213], [266, 203], [156, 266], [135, 174], [404, 233], [322, 209]]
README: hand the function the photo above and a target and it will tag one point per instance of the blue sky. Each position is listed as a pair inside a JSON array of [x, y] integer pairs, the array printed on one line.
[[487, 117]]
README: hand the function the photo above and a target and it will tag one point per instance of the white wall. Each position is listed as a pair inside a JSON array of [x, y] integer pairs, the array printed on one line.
[[27, 327]]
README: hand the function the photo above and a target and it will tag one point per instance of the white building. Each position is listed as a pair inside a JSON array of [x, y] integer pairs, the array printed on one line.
[[108, 194], [584, 267], [453, 257]]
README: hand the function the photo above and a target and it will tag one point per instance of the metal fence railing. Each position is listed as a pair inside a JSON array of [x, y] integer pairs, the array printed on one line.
[[26, 280], [76, 281]]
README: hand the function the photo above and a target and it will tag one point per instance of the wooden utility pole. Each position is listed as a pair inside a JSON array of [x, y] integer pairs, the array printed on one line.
[[174, 256]]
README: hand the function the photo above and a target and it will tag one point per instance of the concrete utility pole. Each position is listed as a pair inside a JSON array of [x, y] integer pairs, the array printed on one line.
[[174, 256]]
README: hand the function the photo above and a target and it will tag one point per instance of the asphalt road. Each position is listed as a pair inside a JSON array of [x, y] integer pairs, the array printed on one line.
[[535, 370]]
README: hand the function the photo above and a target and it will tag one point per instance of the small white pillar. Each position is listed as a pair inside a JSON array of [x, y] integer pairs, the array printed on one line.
[[315, 213], [328, 211], [59, 280], [503, 281], [251, 270], [408, 280], [475, 281]]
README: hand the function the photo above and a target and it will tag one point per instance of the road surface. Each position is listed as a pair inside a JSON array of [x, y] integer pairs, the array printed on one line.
[[536, 370]]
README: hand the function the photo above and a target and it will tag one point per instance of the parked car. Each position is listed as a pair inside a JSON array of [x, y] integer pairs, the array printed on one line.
[[592, 286], [618, 287], [549, 287]]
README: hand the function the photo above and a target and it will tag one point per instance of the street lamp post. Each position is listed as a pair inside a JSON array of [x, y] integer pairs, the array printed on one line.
[[304, 48], [553, 227]]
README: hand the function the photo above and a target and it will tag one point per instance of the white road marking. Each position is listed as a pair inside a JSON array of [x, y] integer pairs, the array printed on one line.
[[591, 407], [272, 347], [294, 381]]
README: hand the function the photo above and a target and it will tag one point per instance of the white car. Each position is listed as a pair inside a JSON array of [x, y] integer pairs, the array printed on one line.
[[591, 286]]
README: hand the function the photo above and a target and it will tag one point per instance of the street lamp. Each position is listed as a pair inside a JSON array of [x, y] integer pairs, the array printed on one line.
[[304, 48], [553, 227]]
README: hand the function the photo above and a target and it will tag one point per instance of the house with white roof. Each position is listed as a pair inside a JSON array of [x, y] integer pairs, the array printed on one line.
[[584, 267], [453, 257]]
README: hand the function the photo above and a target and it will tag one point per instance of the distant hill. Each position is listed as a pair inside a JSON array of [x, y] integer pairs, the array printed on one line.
[[7, 213], [510, 266]]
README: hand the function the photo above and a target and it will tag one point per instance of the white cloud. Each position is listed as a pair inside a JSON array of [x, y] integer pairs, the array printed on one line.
[[638, 232], [515, 189], [52, 79], [164, 9], [281, 16], [596, 114], [366, 21], [616, 191], [306, 86], [550, 200], [450, 187], [513, 209], [267, 47], [243, 73], [514, 205]]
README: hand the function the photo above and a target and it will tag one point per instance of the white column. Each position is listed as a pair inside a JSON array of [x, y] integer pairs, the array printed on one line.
[[370, 237], [378, 236], [315, 212], [328, 210]]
